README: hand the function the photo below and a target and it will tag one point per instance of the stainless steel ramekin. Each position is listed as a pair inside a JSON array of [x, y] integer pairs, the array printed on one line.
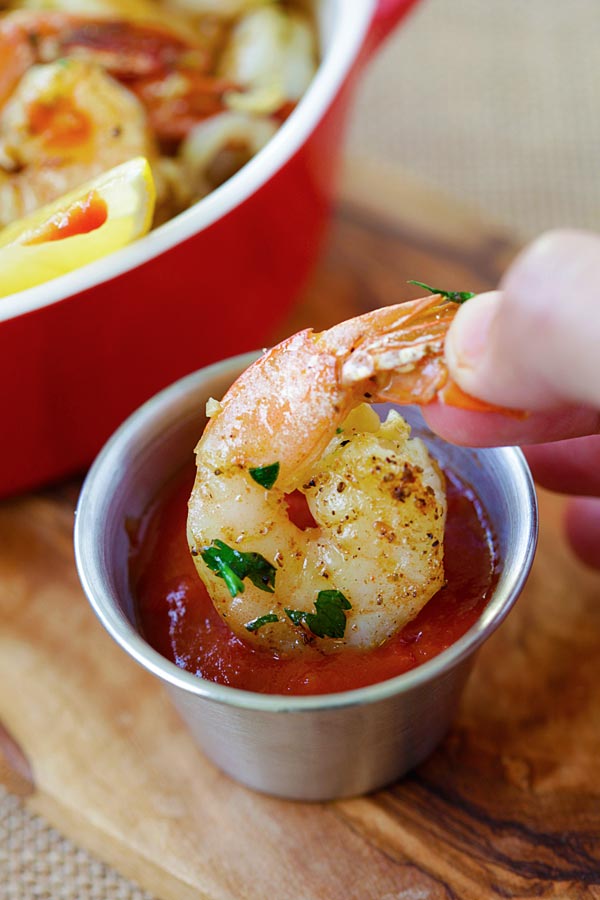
[[305, 748]]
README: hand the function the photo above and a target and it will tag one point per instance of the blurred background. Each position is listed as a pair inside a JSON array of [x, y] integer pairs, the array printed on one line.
[[492, 101], [495, 102]]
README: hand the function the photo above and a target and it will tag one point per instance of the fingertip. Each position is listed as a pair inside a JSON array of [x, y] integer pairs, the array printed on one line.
[[468, 344], [553, 265], [471, 429], [496, 429], [567, 466], [582, 525], [550, 323]]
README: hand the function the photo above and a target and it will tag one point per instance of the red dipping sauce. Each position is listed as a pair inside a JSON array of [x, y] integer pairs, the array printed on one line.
[[177, 618]]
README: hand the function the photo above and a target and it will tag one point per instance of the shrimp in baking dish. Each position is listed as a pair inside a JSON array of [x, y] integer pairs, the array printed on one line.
[[194, 96], [272, 55], [170, 71], [79, 95], [295, 421], [66, 122]]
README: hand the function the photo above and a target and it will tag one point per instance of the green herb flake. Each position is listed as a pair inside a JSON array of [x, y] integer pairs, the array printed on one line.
[[233, 566], [339, 430], [296, 615], [455, 296], [255, 624], [329, 620], [266, 476]]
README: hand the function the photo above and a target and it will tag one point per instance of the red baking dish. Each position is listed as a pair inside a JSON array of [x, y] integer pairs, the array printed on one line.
[[79, 353]]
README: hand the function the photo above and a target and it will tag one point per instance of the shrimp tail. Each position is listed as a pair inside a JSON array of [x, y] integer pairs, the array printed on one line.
[[402, 359]]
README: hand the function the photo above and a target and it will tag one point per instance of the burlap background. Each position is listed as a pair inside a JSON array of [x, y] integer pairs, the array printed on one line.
[[495, 101]]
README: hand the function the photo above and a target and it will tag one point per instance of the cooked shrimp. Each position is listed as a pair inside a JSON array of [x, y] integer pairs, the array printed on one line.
[[65, 123], [144, 12], [216, 148], [170, 74], [213, 90], [228, 8], [272, 55], [373, 555]]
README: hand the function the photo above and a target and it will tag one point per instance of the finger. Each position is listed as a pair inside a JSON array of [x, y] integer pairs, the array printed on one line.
[[533, 344], [483, 429], [569, 467], [582, 522]]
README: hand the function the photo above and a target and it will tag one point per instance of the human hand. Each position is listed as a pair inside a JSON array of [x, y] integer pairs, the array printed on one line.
[[535, 344]]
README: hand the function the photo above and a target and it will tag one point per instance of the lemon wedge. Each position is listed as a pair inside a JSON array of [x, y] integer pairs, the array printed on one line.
[[98, 217]]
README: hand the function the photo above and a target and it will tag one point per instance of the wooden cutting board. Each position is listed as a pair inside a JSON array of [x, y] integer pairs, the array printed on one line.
[[508, 806]]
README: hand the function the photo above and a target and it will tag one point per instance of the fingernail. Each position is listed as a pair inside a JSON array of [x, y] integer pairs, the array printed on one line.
[[468, 335]]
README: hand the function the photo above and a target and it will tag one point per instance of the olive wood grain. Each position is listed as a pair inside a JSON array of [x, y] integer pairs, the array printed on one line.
[[508, 806]]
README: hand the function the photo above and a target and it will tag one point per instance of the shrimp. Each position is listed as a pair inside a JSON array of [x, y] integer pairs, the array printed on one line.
[[169, 73], [229, 8], [272, 55], [144, 12], [206, 98], [219, 146], [65, 123], [295, 423], [81, 94]]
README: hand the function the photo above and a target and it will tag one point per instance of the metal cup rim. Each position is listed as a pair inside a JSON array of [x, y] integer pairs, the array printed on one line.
[[124, 633]]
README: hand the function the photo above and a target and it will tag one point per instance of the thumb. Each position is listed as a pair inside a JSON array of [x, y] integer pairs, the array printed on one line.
[[535, 343]]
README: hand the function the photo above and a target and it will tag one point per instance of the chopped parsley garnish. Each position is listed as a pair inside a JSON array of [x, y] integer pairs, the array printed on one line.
[[329, 620], [339, 430], [233, 566], [455, 296], [266, 476], [255, 624]]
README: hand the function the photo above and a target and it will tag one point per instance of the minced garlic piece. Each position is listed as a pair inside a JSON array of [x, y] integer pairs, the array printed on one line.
[[213, 407]]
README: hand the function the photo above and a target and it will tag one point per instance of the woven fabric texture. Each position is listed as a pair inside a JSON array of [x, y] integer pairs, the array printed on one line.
[[37, 863], [494, 101]]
